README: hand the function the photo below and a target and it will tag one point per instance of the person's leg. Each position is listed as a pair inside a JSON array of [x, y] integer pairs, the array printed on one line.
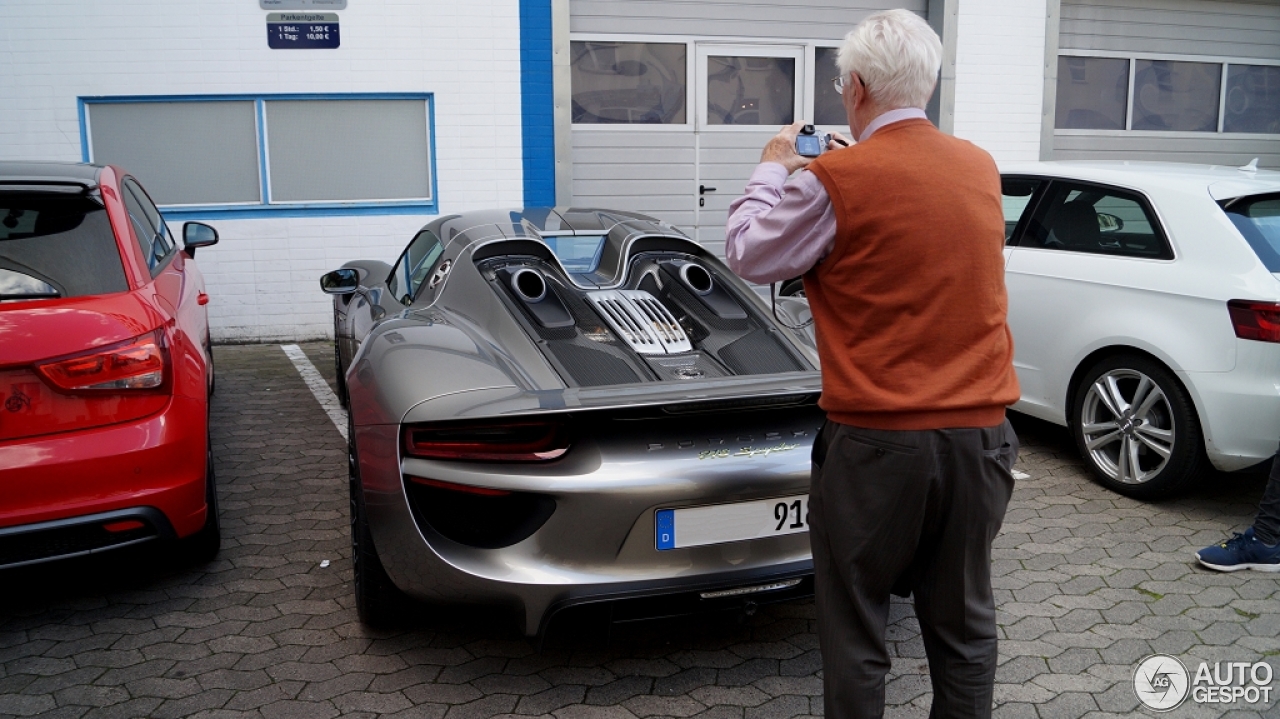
[[1257, 547], [953, 596], [1266, 527], [865, 514]]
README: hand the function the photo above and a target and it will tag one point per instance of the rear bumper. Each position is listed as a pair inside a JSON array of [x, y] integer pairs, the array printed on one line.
[[156, 462], [599, 544], [80, 536], [1240, 409]]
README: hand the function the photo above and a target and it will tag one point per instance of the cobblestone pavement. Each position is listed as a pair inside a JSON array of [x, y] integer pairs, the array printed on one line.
[[1087, 583]]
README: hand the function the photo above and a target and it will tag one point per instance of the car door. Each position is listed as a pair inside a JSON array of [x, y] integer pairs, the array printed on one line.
[[1090, 269], [411, 270], [179, 287]]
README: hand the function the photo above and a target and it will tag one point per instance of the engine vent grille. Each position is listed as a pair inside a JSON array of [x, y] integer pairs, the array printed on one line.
[[641, 321]]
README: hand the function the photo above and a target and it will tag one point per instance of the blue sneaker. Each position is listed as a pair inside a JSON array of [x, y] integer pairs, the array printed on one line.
[[1242, 551]]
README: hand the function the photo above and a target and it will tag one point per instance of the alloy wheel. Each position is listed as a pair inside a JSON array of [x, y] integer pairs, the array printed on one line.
[[1128, 426]]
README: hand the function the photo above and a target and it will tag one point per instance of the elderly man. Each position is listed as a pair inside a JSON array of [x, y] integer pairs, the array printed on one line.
[[898, 239]]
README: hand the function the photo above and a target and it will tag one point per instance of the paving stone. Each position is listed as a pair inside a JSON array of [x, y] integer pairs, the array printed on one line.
[[1087, 582]]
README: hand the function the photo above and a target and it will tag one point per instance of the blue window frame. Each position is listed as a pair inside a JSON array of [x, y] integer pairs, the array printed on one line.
[[290, 155]]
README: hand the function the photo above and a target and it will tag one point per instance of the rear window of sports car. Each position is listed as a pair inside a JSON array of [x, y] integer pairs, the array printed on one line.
[[54, 245], [579, 254], [1258, 219]]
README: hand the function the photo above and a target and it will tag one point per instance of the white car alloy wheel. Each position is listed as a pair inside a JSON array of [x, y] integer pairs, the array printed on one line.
[[1136, 427], [1128, 426]]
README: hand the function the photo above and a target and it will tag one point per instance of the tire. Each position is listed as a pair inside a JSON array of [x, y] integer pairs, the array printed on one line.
[[213, 377], [379, 602], [1136, 428], [203, 546], [337, 368]]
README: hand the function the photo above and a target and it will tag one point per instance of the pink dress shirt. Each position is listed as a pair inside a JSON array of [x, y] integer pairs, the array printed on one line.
[[781, 228]]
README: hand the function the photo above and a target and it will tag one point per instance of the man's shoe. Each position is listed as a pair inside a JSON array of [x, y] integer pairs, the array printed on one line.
[[1242, 551]]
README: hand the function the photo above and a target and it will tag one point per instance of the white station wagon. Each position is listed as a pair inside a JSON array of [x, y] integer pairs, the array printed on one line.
[[1144, 300]]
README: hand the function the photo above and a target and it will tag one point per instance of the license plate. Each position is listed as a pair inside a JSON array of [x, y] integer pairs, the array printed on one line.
[[719, 523]]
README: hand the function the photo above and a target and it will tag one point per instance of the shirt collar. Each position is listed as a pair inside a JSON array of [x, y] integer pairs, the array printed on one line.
[[890, 117]]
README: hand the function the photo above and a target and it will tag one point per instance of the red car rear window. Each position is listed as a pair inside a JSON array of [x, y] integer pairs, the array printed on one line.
[[56, 245]]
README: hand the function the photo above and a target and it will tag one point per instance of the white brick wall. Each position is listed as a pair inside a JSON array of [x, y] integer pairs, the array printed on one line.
[[1000, 76], [262, 276]]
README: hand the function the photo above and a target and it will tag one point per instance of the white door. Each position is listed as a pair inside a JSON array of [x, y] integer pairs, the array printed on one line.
[[742, 95]]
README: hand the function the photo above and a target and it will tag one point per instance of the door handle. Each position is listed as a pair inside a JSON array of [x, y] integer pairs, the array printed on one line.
[[703, 189]]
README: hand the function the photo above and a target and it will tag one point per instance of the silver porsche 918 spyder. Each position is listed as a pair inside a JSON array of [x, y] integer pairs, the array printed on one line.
[[557, 407]]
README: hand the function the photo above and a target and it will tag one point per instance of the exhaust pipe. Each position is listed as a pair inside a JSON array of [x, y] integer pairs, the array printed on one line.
[[529, 285], [697, 278]]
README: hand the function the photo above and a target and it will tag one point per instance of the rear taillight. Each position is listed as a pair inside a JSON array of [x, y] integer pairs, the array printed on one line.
[[138, 364], [489, 442], [1255, 320]]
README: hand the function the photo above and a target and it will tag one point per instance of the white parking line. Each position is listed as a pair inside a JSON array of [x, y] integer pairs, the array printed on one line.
[[1019, 474], [325, 396]]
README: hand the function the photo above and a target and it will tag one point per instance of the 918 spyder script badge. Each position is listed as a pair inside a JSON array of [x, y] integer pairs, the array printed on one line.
[[747, 451]]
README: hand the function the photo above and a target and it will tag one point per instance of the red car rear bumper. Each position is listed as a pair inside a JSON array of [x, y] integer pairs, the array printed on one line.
[[158, 461]]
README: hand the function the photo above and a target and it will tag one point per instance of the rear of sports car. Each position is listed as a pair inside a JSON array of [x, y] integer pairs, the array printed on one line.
[[667, 473], [102, 440]]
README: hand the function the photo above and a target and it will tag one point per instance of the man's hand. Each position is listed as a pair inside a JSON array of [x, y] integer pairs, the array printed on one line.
[[782, 149], [838, 141]]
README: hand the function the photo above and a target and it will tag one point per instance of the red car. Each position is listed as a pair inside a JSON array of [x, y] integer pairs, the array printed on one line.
[[105, 369]]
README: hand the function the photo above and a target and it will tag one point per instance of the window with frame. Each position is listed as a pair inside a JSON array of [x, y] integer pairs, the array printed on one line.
[[414, 264], [149, 228], [1016, 194], [1161, 94], [269, 153], [1077, 217], [628, 82]]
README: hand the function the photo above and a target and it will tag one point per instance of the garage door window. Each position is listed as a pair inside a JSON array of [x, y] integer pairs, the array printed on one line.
[[1105, 94], [281, 154], [1096, 220], [628, 83]]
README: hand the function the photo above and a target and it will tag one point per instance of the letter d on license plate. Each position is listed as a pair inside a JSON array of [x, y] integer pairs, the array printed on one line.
[[719, 523]]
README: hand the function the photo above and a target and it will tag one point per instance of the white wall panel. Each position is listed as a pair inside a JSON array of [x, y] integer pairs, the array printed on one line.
[[262, 276], [999, 87]]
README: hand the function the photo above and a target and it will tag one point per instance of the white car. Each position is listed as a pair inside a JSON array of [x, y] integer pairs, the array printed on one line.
[[1144, 300]]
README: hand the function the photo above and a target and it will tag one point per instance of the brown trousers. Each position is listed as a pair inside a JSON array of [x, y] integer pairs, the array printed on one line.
[[908, 512]]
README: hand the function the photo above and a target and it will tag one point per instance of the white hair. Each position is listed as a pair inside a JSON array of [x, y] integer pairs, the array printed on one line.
[[897, 55]]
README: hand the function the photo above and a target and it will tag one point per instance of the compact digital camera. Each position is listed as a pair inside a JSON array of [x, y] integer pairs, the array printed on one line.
[[810, 142]]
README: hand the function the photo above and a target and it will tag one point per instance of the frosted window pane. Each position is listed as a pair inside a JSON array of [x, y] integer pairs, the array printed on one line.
[[183, 152], [343, 150], [827, 108], [1092, 93], [751, 90], [1170, 95], [1253, 99], [628, 82]]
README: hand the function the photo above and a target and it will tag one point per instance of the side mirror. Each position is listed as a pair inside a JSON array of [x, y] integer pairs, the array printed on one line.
[[340, 282], [1108, 222], [197, 234]]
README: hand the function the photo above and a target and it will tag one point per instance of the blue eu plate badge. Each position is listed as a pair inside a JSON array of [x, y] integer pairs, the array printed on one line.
[[666, 529]]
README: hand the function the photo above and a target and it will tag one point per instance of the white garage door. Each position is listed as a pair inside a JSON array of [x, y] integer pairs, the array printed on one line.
[[673, 100]]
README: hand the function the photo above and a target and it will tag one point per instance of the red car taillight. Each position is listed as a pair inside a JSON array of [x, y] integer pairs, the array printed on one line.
[[104, 386], [1255, 320], [140, 363], [504, 442]]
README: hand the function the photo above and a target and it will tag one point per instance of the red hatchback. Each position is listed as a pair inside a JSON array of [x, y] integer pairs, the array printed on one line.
[[105, 369]]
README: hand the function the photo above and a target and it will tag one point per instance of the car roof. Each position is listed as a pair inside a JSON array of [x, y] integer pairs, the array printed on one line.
[[1222, 182], [20, 172]]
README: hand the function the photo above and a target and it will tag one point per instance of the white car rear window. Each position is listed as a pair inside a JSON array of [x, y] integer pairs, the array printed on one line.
[[1258, 219]]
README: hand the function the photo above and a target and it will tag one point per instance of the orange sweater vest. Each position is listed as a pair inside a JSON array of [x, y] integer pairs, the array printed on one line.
[[910, 305]]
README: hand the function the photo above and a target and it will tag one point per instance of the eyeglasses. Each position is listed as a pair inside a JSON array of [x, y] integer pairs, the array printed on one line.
[[840, 82]]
